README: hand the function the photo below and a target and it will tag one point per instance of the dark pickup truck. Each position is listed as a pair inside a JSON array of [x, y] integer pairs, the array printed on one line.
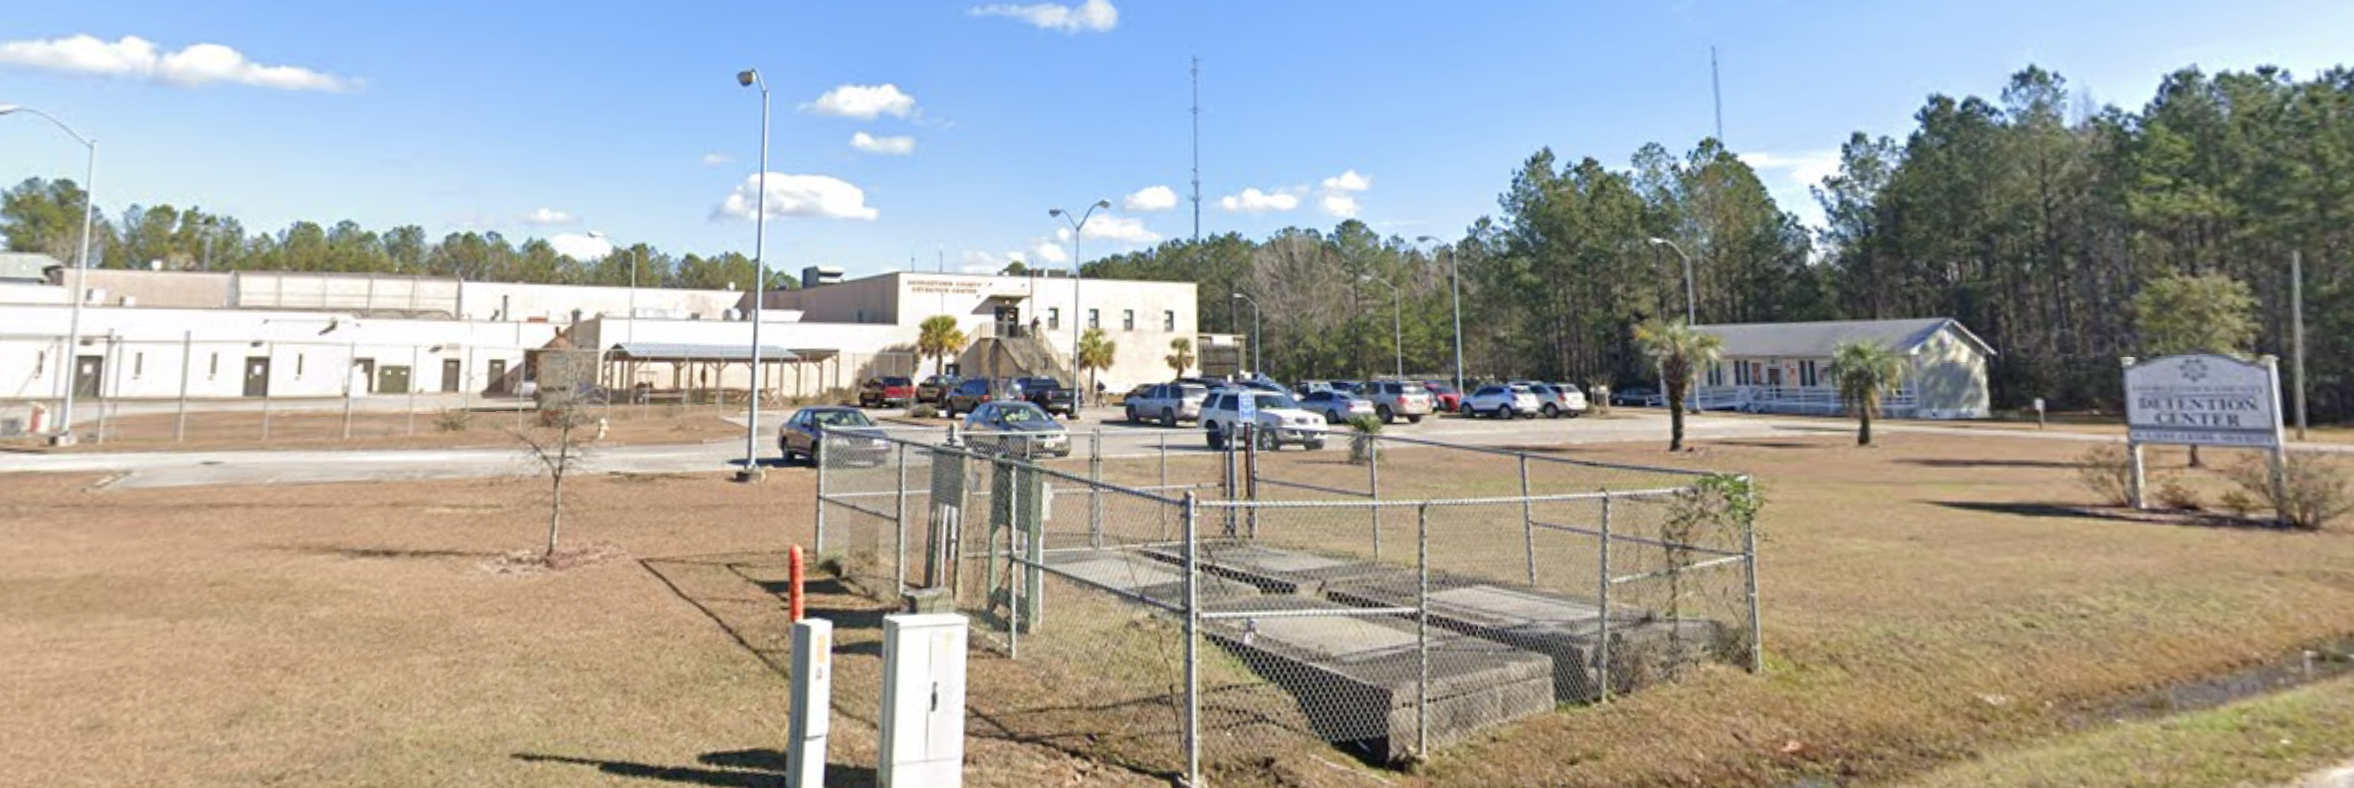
[[1049, 395]]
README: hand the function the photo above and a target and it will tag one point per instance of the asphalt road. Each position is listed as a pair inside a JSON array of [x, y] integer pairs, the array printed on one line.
[[177, 469]]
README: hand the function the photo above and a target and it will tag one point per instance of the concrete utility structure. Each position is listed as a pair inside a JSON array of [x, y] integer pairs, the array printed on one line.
[[1785, 367], [195, 334]]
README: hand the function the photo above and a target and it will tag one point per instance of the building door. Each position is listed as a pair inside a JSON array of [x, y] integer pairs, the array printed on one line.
[[451, 370], [1009, 320], [498, 376], [391, 378], [89, 371], [367, 367], [257, 376], [1774, 376]]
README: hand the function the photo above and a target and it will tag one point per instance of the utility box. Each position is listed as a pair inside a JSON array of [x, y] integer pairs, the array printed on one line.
[[923, 701], [813, 699]]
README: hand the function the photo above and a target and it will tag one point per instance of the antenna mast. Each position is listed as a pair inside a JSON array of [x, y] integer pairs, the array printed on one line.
[[1716, 95], [1197, 150]]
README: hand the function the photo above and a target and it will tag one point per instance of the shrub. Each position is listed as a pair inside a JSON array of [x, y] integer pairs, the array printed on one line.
[[1362, 446], [2107, 471], [2237, 502], [923, 411], [2318, 489], [454, 420], [2173, 494]]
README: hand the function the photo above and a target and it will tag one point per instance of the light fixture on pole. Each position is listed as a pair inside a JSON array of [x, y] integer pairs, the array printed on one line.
[[1691, 311], [1258, 360], [73, 330], [1078, 325], [751, 472], [1454, 287], [1397, 321]]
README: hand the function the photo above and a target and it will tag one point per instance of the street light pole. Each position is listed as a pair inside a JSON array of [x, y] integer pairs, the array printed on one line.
[[1690, 310], [1455, 288], [1258, 359], [1397, 323], [73, 330], [1078, 325], [751, 471]]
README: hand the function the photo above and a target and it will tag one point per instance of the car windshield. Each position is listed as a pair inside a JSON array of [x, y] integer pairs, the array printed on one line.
[[840, 418], [1035, 384], [1269, 400], [1022, 415], [1191, 391], [894, 381]]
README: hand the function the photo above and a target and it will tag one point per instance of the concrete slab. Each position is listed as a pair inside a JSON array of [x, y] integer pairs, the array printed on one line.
[[1643, 649], [1276, 570], [1136, 576], [1355, 676]]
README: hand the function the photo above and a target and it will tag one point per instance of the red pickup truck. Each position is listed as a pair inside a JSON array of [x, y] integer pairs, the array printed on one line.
[[886, 391]]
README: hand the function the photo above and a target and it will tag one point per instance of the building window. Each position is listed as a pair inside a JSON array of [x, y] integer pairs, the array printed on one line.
[[1127, 320], [1716, 374], [1741, 374], [1094, 318], [1169, 320], [1806, 373], [1054, 317]]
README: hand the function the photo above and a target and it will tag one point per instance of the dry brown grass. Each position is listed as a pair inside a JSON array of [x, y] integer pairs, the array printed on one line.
[[1926, 603], [235, 430]]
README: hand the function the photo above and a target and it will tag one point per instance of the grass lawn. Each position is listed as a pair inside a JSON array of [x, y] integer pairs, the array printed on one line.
[[1928, 609]]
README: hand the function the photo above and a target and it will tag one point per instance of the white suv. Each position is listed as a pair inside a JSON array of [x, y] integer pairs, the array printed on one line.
[[1279, 419], [1392, 399], [1502, 402]]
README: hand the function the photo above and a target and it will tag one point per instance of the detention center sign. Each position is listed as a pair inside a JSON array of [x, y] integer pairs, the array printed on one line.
[[2203, 400]]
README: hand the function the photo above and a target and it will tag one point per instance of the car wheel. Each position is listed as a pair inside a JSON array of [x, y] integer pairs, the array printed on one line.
[[816, 457], [1385, 415], [1132, 415], [1552, 412], [1168, 417], [1504, 412], [1465, 411], [1217, 439], [1267, 441], [1413, 419], [1315, 445]]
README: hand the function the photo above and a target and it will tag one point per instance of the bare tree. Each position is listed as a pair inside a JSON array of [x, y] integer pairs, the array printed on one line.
[[560, 442]]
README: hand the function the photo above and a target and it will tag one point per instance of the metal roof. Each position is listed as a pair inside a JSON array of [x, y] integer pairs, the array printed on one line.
[[1819, 340], [675, 351]]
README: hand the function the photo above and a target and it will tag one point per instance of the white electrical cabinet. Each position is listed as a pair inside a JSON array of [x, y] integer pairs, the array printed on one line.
[[923, 701], [813, 698]]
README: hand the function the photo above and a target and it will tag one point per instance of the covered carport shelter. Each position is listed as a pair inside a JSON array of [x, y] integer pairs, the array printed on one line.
[[698, 372]]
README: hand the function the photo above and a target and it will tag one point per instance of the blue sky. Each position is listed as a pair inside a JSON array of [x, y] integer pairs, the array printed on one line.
[[554, 119]]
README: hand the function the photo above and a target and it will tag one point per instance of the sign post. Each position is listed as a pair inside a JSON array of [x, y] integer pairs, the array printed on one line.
[[2205, 399]]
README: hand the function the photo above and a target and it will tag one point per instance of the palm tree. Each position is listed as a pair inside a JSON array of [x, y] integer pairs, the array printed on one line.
[[1095, 355], [1864, 369], [1180, 355], [1680, 351], [937, 339]]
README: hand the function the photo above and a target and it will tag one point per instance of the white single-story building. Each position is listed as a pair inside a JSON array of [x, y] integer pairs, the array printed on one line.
[[1785, 367]]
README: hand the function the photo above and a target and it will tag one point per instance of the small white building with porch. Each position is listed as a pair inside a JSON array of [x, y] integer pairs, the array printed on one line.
[[1786, 368]]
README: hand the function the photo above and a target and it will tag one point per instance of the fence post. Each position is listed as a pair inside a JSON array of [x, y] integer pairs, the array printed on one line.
[[1528, 523], [1014, 571], [187, 359], [1602, 641], [1421, 628], [1193, 619], [817, 457], [1373, 462], [899, 523], [1164, 487], [1250, 478], [1749, 561], [1095, 490]]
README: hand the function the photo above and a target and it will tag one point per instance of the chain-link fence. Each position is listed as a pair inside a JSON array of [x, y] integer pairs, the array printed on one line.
[[1207, 612]]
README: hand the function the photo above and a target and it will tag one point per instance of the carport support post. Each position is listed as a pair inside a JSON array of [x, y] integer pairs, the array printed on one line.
[[899, 522], [1528, 523], [1193, 623], [1421, 629], [1602, 641], [187, 359]]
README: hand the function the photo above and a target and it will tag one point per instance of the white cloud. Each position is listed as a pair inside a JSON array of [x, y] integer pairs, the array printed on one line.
[[974, 261], [138, 58], [1047, 252], [883, 146], [1800, 173], [550, 217], [1125, 229], [1092, 16], [1254, 201], [715, 159], [580, 246], [1151, 198], [808, 196], [864, 102], [1339, 197]]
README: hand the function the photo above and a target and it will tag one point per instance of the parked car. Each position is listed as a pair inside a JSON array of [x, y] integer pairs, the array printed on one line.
[[1443, 397], [1336, 406], [1501, 401], [1636, 397], [1016, 429], [1578, 404], [1049, 395], [1554, 402], [1392, 399], [886, 391], [854, 436], [1168, 403], [970, 395], [1278, 421], [934, 390], [1307, 387]]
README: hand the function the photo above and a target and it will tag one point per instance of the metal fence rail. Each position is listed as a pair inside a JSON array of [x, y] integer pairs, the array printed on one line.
[[1210, 609]]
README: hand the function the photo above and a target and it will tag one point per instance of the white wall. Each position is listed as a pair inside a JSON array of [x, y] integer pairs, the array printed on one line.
[[556, 303]]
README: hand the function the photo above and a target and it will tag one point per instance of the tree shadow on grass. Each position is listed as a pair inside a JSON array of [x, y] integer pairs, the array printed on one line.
[[2118, 514], [757, 768], [381, 552], [1943, 462]]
